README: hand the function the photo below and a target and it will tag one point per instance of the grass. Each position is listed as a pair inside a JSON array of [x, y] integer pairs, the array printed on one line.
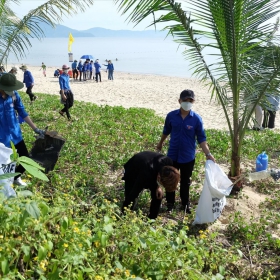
[[81, 234]]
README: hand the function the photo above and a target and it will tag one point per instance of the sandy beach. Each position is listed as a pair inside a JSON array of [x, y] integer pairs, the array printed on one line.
[[160, 93]]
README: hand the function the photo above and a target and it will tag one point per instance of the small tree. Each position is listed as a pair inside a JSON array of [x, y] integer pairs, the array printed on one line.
[[15, 33], [237, 35]]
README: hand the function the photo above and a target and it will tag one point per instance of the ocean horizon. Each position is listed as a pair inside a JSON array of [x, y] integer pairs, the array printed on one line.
[[156, 56]]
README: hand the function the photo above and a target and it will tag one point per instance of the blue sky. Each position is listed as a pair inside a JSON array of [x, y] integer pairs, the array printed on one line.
[[103, 13]]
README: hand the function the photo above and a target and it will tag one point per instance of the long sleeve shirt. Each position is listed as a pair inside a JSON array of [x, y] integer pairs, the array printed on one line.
[[183, 135], [97, 67], [80, 66], [141, 172], [110, 66], [9, 125], [28, 79]]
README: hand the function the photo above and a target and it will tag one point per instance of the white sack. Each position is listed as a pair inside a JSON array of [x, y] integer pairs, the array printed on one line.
[[212, 199], [6, 166]]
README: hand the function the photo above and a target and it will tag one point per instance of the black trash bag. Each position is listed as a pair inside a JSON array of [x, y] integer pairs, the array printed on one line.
[[46, 151]]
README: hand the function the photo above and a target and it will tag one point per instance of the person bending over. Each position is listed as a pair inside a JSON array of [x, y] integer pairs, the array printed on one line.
[[10, 104], [149, 170]]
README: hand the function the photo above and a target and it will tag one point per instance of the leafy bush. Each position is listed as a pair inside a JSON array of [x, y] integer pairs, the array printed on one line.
[[80, 232]]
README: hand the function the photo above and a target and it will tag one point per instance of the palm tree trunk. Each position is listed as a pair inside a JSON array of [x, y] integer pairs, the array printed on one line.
[[235, 156]]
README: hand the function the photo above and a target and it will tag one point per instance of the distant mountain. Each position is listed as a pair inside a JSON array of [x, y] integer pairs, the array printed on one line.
[[61, 31], [103, 32]]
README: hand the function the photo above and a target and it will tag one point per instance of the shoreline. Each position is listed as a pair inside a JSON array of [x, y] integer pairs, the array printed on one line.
[[10, 65], [156, 92]]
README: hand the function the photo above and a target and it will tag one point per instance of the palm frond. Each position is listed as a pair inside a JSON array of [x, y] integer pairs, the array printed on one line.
[[15, 33]]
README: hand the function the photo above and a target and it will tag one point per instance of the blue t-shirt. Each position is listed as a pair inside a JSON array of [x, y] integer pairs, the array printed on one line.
[[64, 81], [183, 135]]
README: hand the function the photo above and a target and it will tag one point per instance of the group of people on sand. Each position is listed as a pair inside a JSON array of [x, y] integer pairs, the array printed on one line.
[[88, 70], [145, 170]]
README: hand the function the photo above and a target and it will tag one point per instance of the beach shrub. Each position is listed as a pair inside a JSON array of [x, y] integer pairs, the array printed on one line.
[[81, 234]]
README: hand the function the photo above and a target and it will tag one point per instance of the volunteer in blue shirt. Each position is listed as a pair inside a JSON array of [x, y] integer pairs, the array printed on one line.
[[85, 70], [66, 94], [56, 73], [80, 68], [10, 103], [185, 127], [97, 67], [110, 69], [74, 70], [28, 80], [90, 65]]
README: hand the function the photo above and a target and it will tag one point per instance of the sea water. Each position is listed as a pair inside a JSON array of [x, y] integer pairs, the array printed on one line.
[[158, 56]]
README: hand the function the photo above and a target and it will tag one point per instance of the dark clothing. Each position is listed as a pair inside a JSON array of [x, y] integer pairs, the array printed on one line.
[[141, 173], [269, 119], [96, 76], [186, 173], [56, 73], [75, 74], [68, 103], [29, 92], [22, 151]]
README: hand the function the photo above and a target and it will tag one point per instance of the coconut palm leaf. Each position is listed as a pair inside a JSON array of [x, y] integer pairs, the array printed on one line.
[[228, 47], [15, 33]]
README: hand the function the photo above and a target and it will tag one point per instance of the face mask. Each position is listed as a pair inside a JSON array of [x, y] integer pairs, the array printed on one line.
[[10, 93], [186, 106], [65, 71]]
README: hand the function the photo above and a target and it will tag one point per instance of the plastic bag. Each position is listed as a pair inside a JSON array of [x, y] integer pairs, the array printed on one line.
[[6, 166], [212, 200]]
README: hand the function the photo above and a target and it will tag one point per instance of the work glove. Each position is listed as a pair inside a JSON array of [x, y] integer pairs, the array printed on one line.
[[40, 132]]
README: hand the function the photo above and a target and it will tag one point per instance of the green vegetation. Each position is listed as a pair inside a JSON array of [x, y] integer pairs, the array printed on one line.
[[80, 233], [237, 34]]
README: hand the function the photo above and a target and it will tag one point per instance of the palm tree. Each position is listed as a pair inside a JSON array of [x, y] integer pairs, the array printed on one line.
[[15, 33], [236, 33]]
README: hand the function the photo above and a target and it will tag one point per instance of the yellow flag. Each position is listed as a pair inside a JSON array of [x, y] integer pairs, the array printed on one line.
[[70, 42]]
